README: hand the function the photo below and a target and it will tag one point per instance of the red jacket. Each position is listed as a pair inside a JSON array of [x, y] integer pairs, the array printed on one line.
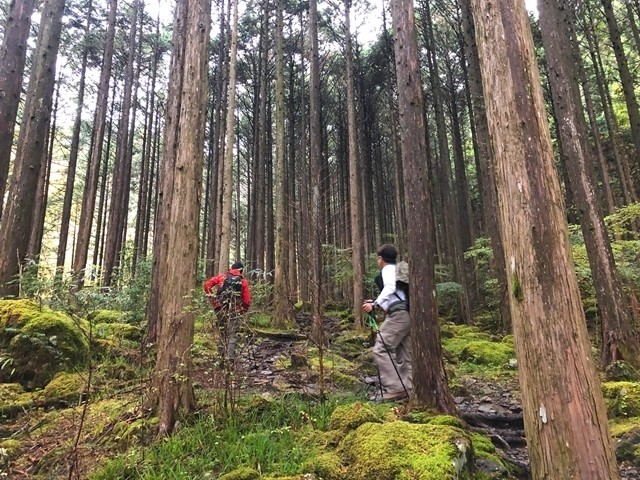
[[218, 280]]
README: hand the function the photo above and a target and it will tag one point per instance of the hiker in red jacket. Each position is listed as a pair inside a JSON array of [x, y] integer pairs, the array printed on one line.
[[230, 299]]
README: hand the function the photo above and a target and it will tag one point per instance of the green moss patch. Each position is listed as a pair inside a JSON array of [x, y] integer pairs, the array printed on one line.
[[406, 451], [242, 473], [620, 426], [622, 398], [13, 399], [350, 417], [15, 314], [351, 344], [65, 387], [327, 466], [46, 344], [483, 352]]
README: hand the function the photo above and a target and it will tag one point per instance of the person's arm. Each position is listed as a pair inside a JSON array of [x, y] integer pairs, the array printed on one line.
[[389, 286], [213, 281], [246, 295]]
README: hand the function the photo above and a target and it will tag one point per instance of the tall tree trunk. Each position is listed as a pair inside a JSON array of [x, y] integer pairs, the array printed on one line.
[[16, 222], [120, 187], [180, 211], [315, 146], [12, 59], [42, 190], [557, 37], [430, 378], [73, 151], [355, 197], [227, 177], [626, 79], [283, 311], [93, 167], [564, 412]]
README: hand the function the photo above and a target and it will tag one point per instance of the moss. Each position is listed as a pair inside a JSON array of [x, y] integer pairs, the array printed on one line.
[[330, 360], [350, 417], [516, 288], [487, 353], [65, 387], [105, 316], [15, 314], [11, 446], [118, 331], [48, 343], [622, 398], [620, 426], [429, 418], [242, 473], [405, 451], [13, 399], [327, 466]]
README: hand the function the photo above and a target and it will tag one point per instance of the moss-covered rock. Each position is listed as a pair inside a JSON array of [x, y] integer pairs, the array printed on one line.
[[350, 417], [118, 331], [406, 451], [483, 352], [242, 473], [65, 387], [13, 399], [105, 316], [15, 314], [47, 343], [622, 398], [431, 419], [327, 466], [10, 447], [619, 426]]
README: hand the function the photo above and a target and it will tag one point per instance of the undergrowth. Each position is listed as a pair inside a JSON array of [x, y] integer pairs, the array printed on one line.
[[272, 436]]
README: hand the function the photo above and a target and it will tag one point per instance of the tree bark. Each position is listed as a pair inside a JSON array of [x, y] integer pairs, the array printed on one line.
[[172, 378], [15, 226], [355, 196], [557, 37], [430, 378], [93, 167], [564, 412], [12, 59]]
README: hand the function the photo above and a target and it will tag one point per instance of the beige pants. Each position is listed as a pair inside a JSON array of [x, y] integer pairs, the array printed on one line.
[[394, 335]]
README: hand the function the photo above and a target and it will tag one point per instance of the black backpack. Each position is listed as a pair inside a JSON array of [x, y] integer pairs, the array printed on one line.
[[230, 289], [402, 280]]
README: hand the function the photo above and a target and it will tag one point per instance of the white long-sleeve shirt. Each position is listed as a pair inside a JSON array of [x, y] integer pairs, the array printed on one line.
[[389, 294]]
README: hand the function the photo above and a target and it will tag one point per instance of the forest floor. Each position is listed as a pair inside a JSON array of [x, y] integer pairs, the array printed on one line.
[[489, 404]]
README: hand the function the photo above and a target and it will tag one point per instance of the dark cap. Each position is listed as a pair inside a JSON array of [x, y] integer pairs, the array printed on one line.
[[237, 266], [388, 253]]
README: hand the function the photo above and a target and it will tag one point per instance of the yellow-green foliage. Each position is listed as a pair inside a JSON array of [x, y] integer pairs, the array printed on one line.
[[407, 451], [9, 448], [14, 314], [349, 417], [622, 398], [429, 418], [620, 426], [330, 360], [64, 387], [105, 316], [47, 342], [483, 352], [456, 337], [118, 331], [13, 398], [242, 473], [327, 466]]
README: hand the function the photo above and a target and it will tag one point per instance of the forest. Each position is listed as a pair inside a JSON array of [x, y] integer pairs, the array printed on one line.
[[145, 147]]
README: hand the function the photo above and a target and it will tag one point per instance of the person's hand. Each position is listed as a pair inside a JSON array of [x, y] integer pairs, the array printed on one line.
[[368, 307]]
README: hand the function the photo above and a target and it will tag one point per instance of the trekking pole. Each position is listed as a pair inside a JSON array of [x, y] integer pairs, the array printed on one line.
[[373, 324]]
